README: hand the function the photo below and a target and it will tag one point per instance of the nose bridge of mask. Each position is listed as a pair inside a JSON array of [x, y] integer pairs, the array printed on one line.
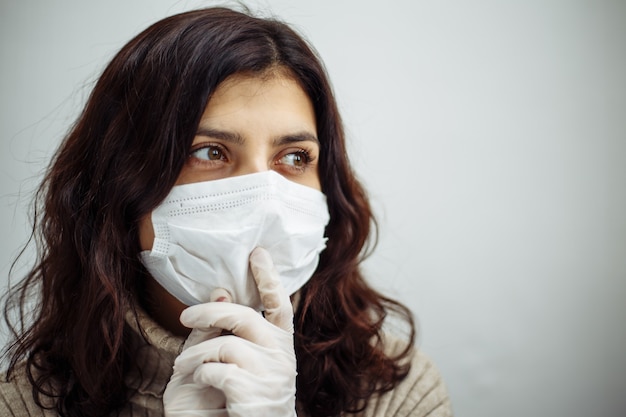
[[268, 195]]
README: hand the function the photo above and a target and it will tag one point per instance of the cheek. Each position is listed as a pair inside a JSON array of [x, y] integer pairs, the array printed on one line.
[[146, 233], [190, 175], [315, 182], [310, 178]]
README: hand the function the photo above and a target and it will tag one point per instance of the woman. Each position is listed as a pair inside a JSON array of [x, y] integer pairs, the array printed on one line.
[[209, 100]]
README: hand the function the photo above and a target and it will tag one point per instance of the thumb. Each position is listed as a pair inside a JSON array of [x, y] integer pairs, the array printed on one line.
[[278, 308]]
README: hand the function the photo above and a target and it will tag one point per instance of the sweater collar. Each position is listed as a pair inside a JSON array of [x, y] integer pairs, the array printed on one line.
[[156, 349]]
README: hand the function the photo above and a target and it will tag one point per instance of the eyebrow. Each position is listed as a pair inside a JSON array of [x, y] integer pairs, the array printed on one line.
[[237, 139], [296, 137], [222, 135]]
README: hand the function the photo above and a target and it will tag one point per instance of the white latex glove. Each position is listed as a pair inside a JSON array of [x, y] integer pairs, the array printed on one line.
[[255, 368], [185, 398]]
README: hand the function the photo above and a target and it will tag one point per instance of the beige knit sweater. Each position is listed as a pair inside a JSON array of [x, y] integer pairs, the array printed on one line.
[[421, 393]]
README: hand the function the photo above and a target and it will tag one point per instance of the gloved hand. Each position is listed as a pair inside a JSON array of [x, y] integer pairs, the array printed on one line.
[[255, 367], [182, 396]]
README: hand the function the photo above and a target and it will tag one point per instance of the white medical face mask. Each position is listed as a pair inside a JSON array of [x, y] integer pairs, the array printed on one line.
[[205, 232]]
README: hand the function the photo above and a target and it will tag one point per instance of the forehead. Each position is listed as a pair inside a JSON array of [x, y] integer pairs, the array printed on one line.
[[248, 85], [244, 99]]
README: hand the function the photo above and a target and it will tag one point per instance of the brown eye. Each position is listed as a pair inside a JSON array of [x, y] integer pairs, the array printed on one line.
[[295, 159], [209, 153]]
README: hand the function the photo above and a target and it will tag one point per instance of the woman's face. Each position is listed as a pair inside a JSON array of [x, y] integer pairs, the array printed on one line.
[[252, 124]]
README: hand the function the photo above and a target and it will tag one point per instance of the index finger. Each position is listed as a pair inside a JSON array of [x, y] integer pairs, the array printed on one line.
[[278, 308]]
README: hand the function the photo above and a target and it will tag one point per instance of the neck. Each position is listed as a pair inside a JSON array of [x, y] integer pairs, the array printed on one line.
[[163, 307]]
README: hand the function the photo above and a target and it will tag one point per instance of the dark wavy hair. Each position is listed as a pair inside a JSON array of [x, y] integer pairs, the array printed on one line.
[[120, 160]]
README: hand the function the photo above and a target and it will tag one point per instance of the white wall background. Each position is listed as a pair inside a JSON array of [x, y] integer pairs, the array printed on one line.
[[491, 136]]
